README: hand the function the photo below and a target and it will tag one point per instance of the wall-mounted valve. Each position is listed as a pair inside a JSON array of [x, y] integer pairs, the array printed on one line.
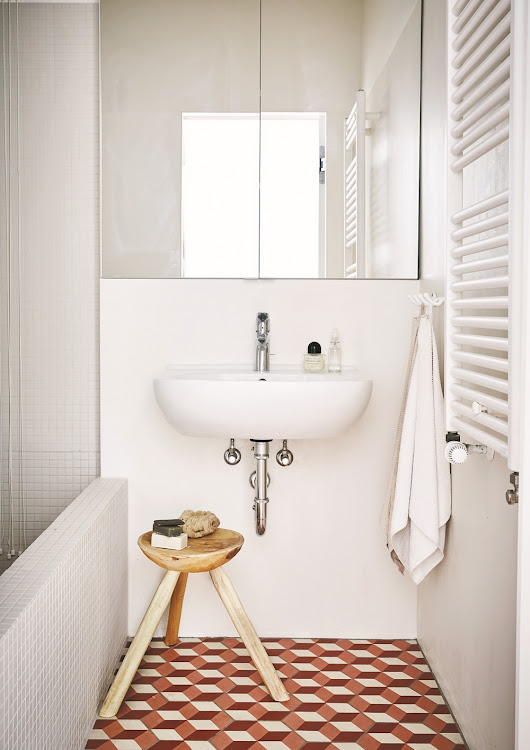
[[284, 456], [457, 452], [232, 454], [512, 496]]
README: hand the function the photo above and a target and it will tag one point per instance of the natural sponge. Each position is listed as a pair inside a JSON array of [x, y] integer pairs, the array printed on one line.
[[199, 523]]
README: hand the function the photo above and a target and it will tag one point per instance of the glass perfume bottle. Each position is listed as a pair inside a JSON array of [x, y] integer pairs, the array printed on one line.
[[334, 353]]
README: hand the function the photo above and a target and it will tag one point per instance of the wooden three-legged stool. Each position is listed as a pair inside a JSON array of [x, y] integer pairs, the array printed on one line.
[[208, 553]]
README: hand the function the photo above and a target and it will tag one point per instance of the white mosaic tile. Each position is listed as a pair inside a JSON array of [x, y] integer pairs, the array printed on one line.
[[59, 645], [54, 375]]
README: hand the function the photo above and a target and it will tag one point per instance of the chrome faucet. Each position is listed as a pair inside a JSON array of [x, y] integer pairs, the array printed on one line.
[[262, 342]]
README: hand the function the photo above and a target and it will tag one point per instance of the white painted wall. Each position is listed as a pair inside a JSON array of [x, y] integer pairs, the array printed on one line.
[[466, 607], [322, 568]]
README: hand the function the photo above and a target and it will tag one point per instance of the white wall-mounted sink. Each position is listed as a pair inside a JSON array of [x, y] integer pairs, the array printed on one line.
[[236, 402]]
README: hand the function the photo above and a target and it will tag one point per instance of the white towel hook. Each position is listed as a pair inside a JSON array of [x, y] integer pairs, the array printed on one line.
[[426, 300]]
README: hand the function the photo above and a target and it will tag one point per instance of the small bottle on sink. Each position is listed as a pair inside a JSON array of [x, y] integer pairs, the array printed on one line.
[[334, 353], [314, 359]]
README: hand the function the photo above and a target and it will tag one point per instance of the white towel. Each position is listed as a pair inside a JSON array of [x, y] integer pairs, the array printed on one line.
[[419, 498]]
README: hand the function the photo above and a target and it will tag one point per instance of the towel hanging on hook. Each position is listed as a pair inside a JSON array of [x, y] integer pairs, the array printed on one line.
[[418, 503]]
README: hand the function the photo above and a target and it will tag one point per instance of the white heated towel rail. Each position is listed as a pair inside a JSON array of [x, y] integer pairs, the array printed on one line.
[[478, 344], [355, 190]]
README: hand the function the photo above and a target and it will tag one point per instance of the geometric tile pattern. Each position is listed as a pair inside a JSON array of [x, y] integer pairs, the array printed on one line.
[[205, 694]]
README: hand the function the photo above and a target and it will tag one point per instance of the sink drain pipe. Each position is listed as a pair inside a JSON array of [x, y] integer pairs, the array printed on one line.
[[261, 454], [260, 479]]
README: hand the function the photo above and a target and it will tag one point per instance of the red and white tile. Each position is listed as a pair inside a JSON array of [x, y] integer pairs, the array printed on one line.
[[205, 694]]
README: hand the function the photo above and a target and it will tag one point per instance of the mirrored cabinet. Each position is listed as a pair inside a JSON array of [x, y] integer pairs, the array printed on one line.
[[272, 139]]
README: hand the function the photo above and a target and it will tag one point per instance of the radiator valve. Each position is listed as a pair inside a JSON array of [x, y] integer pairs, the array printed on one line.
[[512, 495], [457, 452]]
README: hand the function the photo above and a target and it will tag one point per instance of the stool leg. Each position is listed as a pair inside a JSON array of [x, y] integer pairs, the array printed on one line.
[[244, 627], [175, 610], [139, 645]]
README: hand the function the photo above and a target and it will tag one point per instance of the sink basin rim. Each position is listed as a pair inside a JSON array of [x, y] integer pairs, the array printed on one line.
[[230, 401], [279, 373]]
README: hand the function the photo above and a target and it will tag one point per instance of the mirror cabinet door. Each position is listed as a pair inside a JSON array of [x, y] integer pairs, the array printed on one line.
[[340, 100], [180, 138], [311, 64]]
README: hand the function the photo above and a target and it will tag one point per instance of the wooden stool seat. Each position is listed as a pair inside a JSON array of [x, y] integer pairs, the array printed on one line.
[[206, 554], [200, 556]]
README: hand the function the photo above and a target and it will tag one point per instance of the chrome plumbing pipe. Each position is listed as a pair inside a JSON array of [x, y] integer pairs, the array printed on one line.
[[261, 454]]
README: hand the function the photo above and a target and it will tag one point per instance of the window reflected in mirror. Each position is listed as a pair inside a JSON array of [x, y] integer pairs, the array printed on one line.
[[220, 198], [292, 195]]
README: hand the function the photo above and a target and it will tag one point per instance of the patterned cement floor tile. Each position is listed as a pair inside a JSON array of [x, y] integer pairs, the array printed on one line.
[[204, 694]]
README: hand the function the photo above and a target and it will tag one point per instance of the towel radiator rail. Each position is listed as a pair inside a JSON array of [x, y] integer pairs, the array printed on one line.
[[355, 133], [357, 127], [479, 344], [354, 190]]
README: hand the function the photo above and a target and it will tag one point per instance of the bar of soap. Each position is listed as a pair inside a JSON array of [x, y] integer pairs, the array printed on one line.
[[170, 527], [169, 542]]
